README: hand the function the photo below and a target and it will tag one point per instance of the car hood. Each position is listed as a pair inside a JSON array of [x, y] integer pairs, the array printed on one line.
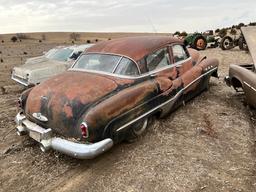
[[64, 98]]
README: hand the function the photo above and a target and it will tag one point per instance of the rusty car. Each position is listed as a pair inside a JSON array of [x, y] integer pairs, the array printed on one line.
[[111, 92], [55, 61], [242, 77]]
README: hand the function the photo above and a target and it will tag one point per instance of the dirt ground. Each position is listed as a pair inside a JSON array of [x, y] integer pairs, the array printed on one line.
[[206, 145]]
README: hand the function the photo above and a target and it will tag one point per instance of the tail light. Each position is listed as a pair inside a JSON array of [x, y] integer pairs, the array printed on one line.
[[84, 130]]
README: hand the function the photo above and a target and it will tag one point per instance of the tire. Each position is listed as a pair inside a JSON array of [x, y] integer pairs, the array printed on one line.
[[199, 43], [137, 130], [242, 44], [226, 43]]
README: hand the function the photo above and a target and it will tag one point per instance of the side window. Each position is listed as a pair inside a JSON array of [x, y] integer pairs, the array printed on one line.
[[158, 59], [127, 67], [179, 53]]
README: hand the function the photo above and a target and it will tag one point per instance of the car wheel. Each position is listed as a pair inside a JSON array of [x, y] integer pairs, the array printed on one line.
[[226, 43], [137, 130], [199, 43]]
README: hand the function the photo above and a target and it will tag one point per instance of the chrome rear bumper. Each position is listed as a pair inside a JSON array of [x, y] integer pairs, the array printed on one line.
[[46, 141]]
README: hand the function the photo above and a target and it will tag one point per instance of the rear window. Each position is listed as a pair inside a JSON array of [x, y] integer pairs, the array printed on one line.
[[127, 67], [97, 62]]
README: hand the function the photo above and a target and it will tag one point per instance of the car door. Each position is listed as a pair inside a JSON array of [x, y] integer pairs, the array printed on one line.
[[187, 70], [161, 69]]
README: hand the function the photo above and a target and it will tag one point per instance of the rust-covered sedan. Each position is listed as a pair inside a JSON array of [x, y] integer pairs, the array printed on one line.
[[243, 76], [110, 93]]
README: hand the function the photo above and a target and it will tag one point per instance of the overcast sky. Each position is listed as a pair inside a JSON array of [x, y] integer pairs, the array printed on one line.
[[123, 15]]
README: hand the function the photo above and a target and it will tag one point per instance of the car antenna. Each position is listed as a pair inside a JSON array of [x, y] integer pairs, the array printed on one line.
[[152, 25]]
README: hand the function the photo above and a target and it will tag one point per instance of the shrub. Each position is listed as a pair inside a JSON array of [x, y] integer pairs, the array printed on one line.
[[14, 39], [88, 41], [184, 34], [177, 33]]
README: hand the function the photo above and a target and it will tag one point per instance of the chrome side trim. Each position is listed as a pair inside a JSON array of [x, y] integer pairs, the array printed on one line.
[[166, 102], [247, 84], [117, 64], [108, 54], [132, 77], [19, 81]]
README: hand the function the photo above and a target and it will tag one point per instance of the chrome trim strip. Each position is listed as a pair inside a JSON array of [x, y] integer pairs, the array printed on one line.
[[107, 54], [132, 77], [250, 86], [117, 64], [166, 102], [19, 81]]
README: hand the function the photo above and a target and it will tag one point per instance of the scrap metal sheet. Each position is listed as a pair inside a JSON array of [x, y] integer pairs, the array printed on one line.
[[250, 38]]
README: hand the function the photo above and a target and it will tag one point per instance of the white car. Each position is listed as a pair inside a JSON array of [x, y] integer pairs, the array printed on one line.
[[55, 61]]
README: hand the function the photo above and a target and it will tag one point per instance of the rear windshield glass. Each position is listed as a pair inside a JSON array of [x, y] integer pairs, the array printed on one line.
[[106, 63]]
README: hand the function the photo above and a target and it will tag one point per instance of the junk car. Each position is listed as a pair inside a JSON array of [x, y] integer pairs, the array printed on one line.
[[55, 61], [242, 77], [110, 94]]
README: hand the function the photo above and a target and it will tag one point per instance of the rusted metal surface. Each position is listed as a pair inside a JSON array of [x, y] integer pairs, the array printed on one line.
[[133, 47], [244, 75], [107, 103]]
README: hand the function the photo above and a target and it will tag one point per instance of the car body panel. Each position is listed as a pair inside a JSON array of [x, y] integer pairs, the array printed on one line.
[[108, 103], [244, 75]]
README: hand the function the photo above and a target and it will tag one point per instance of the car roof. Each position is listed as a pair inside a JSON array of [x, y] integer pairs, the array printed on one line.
[[133, 47]]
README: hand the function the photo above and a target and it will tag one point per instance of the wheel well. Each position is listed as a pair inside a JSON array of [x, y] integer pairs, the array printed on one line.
[[236, 82]]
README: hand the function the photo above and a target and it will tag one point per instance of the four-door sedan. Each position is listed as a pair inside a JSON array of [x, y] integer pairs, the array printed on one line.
[[55, 61], [110, 93]]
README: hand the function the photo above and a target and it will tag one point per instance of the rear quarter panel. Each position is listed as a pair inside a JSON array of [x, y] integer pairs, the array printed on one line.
[[119, 109]]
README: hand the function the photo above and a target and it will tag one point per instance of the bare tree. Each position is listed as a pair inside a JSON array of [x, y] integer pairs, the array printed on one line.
[[74, 36], [43, 37], [21, 36]]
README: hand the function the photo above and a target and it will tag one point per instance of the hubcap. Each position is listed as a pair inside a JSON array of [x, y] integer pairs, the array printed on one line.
[[140, 127]]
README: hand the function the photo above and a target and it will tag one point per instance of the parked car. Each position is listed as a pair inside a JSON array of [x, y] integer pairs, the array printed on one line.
[[243, 76], [55, 61], [111, 92]]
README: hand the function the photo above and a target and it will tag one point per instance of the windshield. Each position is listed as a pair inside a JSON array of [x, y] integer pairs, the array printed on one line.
[[97, 62], [60, 54]]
